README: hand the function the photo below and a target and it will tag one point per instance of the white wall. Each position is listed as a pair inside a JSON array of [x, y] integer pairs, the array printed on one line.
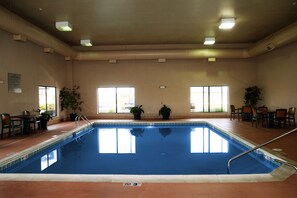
[[274, 72]]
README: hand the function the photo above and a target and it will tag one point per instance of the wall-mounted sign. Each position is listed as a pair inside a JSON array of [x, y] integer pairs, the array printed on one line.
[[14, 83]]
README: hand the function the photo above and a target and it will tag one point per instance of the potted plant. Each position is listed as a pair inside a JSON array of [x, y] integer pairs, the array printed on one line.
[[71, 99], [44, 118], [252, 95], [137, 111], [165, 112]]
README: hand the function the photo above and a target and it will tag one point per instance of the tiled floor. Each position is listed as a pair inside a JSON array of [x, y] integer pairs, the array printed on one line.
[[287, 188]]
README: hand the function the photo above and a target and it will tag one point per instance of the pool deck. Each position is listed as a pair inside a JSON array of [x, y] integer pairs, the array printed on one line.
[[286, 148]]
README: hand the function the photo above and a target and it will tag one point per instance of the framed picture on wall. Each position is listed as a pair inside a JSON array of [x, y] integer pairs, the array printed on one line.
[[14, 83]]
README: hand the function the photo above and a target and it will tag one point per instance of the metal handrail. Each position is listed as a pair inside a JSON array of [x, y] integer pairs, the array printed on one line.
[[82, 117], [259, 146], [86, 119]]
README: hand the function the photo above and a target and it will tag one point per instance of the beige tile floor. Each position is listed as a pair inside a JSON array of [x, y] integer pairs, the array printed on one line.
[[283, 189]]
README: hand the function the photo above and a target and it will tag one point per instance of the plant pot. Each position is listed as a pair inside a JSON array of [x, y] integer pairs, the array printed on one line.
[[43, 124], [72, 116], [137, 116], [165, 116]]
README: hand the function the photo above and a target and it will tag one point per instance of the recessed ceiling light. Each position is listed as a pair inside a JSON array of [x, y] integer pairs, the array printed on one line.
[[86, 43], [209, 40], [227, 23], [64, 26]]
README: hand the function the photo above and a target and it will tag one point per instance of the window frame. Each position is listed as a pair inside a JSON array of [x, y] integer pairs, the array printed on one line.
[[116, 100], [55, 112], [207, 94]]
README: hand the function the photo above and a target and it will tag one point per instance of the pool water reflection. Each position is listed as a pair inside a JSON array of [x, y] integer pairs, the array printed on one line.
[[147, 150]]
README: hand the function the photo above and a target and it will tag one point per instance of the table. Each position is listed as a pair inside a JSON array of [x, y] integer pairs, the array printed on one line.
[[26, 122], [270, 117]]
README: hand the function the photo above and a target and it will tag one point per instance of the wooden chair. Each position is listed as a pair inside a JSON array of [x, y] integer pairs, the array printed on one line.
[[246, 113], [291, 116], [234, 112], [10, 124], [280, 116]]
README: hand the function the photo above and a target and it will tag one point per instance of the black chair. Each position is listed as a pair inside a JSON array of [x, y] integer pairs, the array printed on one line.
[[291, 116], [234, 112], [11, 124], [280, 117]]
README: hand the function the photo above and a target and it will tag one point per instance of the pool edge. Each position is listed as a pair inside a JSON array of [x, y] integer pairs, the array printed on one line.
[[280, 174]]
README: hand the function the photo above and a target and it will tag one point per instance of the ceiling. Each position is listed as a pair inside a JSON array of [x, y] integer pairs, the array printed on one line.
[[156, 22]]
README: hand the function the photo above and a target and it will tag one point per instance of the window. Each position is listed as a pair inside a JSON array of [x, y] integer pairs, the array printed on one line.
[[47, 99], [116, 100], [209, 99]]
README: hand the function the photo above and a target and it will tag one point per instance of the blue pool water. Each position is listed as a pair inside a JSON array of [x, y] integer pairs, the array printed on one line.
[[157, 150]]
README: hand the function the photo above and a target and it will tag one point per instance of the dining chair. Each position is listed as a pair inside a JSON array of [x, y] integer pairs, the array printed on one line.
[[280, 116], [246, 113], [234, 112], [11, 124], [32, 119], [291, 116]]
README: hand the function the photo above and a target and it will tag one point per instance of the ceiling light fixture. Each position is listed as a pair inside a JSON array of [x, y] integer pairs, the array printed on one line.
[[212, 59], [209, 40], [227, 23], [48, 50], [86, 43], [112, 61], [161, 60], [19, 37], [64, 26]]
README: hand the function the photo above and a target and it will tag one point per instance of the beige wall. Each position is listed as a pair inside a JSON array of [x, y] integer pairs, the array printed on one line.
[[36, 68], [277, 76], [177, 75], [39, 68]]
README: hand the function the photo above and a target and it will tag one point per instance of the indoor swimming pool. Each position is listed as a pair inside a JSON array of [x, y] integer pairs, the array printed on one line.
[[142, 149]]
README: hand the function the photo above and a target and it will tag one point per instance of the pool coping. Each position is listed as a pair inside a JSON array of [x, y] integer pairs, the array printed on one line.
[[279, 174]]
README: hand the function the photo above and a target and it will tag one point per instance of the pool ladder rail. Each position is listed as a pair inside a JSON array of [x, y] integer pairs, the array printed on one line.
[[261, 145], [84, 118]]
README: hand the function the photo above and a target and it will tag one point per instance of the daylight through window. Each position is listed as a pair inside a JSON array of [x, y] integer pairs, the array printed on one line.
[[209, 99], [47, 100], [116, 99]]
